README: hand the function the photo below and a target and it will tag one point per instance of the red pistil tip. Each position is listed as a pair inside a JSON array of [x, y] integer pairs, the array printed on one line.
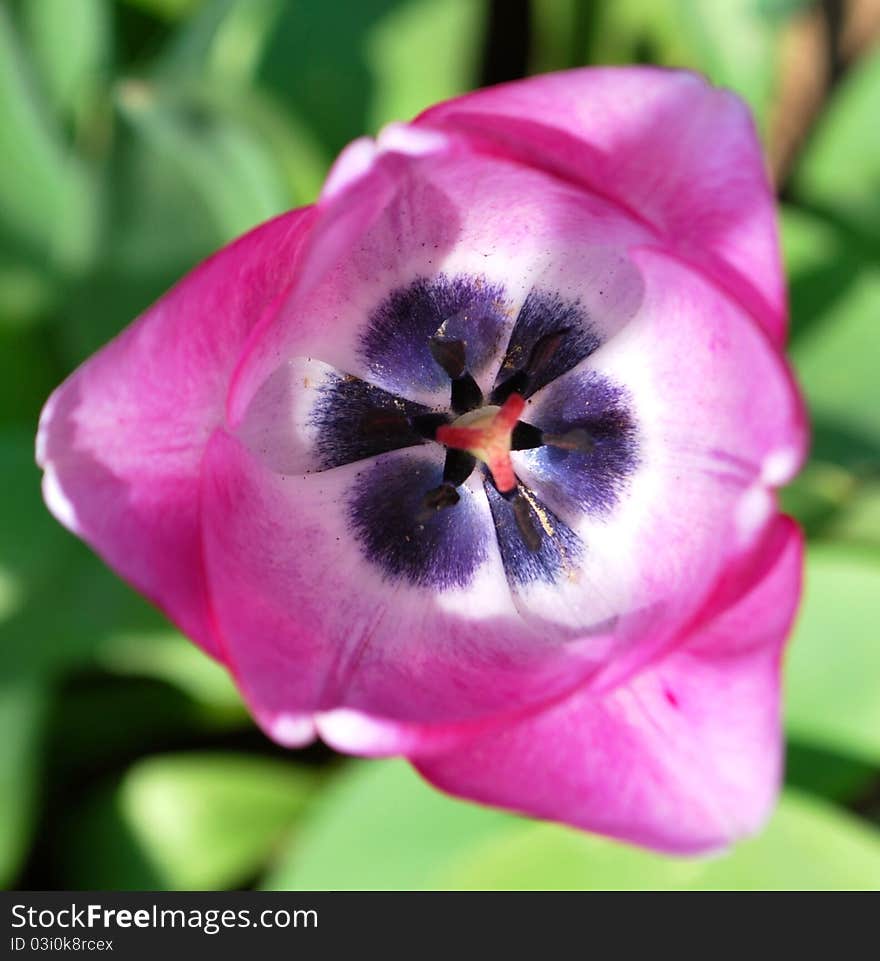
[[488, 439], [510, 412]]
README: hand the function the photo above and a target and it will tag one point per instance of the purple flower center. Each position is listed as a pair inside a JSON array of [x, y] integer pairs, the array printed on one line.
[[415, 513]]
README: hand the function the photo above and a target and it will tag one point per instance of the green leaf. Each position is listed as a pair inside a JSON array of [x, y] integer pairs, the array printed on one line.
[[294, 152], [373, 60], [821, 263], [168, 9], [221, 161], [189, 49], [22, 717], [399, 46], [817, 494], [70, 41], [94, 618], [48, 196], [859, 520], [536, 856], [314, 57], [210, 64], [734, 43], [28, 293], [807, 845], [94, 604], [840, 169], [826, 773], [187, 821], [836, 504], [222, 42], [28, 548], [193, 168], [146, 715], [562, 33], [835, 290], [33, 168], [833, 661], [168, 656], [380, 827], [27, 377], [158, 229]]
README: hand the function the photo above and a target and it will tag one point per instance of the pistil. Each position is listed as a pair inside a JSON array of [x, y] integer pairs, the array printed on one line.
[[486, 434]]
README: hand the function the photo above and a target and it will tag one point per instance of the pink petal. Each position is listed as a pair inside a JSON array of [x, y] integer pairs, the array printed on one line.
[[121, 440], [663, 144], [310, 626], [412, 216], [720, 423], [715, 406], [684, 758]]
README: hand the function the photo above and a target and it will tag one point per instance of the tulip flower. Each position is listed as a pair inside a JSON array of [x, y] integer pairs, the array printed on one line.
[[474, 460]]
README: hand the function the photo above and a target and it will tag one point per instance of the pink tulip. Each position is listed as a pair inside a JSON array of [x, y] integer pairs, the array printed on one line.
[[474, 460]]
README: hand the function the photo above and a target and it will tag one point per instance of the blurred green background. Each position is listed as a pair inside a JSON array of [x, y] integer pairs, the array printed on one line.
[[135, 138]]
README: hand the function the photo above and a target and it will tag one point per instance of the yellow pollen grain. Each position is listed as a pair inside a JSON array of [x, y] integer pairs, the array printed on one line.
[[539, 511], [512, 359]]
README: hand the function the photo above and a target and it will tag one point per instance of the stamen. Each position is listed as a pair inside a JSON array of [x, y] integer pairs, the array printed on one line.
[[487, 437], [449, 354], [466, 394], [441, 497], [425, 425], [544, 350], [379, 422], [526, 436], [456, 470], [576, 439], [458, 467], [517, 383], [525, 524], [541, 354]]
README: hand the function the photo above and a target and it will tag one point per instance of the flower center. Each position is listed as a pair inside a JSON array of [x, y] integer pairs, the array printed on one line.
[[489, 433], [486, 434], [474, 457]]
